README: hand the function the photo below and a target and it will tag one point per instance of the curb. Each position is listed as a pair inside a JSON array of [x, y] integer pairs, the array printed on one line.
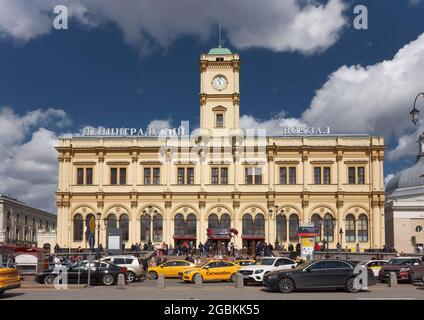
[[48, 287]]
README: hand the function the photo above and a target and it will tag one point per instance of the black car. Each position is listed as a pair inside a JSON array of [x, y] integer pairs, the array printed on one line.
[[101, 273], [322, 274]]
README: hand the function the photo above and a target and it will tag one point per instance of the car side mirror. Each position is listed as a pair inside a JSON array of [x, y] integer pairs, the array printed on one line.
[[416, 264]]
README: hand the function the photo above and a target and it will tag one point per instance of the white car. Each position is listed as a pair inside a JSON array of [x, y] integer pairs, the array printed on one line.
[[375, 265], [256, 272], [134, 268]]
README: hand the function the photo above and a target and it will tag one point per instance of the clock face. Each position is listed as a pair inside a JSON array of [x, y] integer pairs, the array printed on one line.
[[219, 82]]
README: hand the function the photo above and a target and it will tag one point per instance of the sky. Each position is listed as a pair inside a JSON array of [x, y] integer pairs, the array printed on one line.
[[134, 63]]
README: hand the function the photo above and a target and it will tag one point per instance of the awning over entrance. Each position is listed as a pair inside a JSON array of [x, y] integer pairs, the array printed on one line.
[[185, 237], [219, 234], [253, 237]]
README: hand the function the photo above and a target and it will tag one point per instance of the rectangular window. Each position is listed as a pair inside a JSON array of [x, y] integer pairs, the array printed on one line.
[[89, 176], [292, 175], [219, 120], [156, 176], [317, 175], [190, 175], [361, 175], [113, 176], [258, 175], [181, 172], [351, 174], [224, 175], [80, 176], [248, 175], [122, 176], [283, 175], [215, 175], [147, 176], [326, 175]]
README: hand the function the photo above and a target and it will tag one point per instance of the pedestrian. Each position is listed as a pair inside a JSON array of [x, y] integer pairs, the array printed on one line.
[[339, 246], [358, 248], [56, 248]]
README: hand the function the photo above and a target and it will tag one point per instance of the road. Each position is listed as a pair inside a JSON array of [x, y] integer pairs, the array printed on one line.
[[176, 290]]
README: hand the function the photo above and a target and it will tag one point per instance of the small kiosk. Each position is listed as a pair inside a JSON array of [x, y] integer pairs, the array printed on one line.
[[307, 233]]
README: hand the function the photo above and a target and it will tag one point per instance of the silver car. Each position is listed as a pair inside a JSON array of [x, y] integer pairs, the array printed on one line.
[[134, 268]]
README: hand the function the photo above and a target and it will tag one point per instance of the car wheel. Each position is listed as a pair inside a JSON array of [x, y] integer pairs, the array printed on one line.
[[153, 275], [108, 279], [49, 279], [286, 285], [1, 292], [233, 277], [350, 286], [130, 276]]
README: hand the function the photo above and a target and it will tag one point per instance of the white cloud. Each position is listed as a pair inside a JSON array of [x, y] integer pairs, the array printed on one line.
[[414, 2], [291, 25], [273, 126], [28, 160], [373, 99], [388, 178], [159, 124]]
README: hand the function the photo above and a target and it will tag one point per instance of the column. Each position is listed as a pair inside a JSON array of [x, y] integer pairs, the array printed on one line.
[[134, 170], [167, 231], [134, 236], [304, 169], [236, 158], [202, 170], [339, 171], [376, 226], [202, 226], [340, 224], [168, 170], [237, 224], [271, 172]]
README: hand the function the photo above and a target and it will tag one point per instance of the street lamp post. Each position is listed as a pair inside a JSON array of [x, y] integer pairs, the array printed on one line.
[[415, 112], [151, 212]]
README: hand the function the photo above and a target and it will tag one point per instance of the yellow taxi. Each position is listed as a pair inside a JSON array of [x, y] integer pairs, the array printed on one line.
[[170, 269], [215, 270], [243, 263], [9, 279]]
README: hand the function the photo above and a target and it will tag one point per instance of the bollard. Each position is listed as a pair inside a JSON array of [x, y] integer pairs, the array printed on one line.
[[198, 282], [392, 279], [161, 281], [121, 281], [239, 283]]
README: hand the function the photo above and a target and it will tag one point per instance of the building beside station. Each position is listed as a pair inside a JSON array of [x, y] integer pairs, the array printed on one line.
[[22, 225], [221, 183], [405, 206]]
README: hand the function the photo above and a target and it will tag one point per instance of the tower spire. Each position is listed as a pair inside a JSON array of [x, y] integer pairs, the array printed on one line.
[[219, 36]]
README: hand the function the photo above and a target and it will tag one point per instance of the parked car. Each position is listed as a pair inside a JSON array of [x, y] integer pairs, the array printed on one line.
[[101, 272], [256, 272], [134, 268], [406, 268], [214, 270], [375, 265], [170, 269], [328, 274], [9, 279]]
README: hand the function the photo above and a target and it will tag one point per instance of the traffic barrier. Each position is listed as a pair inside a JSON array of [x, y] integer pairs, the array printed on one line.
[[392, 280], [161, 282], [121, 281], [198, 282], [239, 283]]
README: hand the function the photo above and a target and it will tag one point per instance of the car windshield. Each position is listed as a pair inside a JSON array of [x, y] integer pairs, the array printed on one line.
[[400, 262], [265, 262]]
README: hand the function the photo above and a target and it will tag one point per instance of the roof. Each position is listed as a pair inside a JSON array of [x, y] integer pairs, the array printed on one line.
[[410, 177], [219, 50]]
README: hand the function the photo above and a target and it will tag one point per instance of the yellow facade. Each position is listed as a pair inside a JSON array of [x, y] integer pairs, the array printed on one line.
[[189, 182]]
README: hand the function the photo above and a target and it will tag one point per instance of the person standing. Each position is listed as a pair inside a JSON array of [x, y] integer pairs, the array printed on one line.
[[201, 248]]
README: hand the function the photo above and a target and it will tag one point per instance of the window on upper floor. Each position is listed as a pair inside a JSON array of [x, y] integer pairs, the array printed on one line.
[[116, 173], [253, 175], [84, 176], [287, 175], [322, 175], [185, 175], [219, 175], [151, 176], [219, 120], [356, 175]]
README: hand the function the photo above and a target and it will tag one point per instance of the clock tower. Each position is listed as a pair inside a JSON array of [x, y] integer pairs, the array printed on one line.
[[219, 91]]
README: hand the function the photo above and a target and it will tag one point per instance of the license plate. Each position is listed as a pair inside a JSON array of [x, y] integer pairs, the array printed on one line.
[[246, 277]]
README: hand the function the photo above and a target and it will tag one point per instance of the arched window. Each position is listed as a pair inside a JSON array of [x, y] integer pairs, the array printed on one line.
[[328, 228], [124, 226], [90, 219], [213, 222], [293, 226], [111, 221], [145, 228], [363, 228], [259, 225], [78, 227], [179, 225], [157, 227], [350, 228], [281, 228], [317, 221], [247, 225], [191, 225], [225, 221]]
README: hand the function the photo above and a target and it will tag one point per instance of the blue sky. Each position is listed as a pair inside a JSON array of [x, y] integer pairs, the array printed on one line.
[[100, 74]]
